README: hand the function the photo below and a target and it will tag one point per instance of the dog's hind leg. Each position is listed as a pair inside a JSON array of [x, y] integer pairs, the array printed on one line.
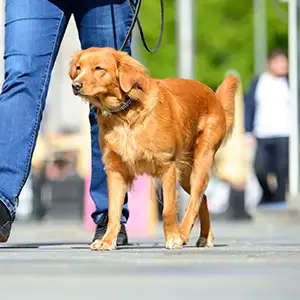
[[203, 160], [206, 235]]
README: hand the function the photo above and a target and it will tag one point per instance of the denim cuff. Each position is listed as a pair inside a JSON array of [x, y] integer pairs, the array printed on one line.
[[11, 208], [97, 217]]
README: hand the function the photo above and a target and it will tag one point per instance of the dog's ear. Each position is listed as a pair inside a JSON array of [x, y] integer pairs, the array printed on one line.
[[130, 73], [73, 64]]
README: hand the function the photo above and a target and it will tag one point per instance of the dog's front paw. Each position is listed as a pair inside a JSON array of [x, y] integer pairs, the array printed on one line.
[[103, 245], [185, 239], [174, 243]]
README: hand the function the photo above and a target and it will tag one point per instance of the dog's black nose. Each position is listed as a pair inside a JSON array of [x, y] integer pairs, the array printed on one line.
[[77, 85]]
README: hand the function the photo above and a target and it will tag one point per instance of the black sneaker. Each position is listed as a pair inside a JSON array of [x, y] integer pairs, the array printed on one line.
[[101, 229], [5, 223]]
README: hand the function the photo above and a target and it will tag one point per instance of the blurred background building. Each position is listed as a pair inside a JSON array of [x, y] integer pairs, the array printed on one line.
[[203, 40]]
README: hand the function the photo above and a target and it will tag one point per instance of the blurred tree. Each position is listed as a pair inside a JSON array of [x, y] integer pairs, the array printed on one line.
[[223, 37]]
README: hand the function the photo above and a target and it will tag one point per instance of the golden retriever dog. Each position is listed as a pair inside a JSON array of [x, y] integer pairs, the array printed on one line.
[[169, 129]]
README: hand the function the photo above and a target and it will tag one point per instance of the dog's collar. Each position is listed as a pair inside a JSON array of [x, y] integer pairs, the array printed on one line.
[[124, 106]]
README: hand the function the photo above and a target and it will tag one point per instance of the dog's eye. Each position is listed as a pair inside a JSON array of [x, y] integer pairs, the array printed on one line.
[[98, 68], [78, 68]]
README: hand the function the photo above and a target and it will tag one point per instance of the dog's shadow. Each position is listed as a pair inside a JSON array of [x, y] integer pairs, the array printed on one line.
[[160, 246], [86, 245], [57, 245]]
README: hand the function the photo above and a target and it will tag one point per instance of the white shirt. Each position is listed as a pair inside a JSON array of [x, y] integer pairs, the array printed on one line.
[[272, 107]]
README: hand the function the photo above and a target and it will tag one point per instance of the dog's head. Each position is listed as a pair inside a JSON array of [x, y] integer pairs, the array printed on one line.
[[106, 77]]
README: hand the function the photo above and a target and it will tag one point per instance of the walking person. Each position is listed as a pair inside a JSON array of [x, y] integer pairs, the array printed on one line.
[[34, 30], [267, 127]]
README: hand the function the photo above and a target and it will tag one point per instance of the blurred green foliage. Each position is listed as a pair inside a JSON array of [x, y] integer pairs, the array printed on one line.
[[223, 37]]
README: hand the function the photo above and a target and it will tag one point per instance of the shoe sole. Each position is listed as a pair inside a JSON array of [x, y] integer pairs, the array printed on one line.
[[124, 243]]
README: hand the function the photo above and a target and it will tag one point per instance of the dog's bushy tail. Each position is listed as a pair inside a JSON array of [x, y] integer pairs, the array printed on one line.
[[226, 94]]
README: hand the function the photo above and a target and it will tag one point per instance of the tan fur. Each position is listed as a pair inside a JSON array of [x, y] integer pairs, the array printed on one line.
[[171, 131], [226, 94]]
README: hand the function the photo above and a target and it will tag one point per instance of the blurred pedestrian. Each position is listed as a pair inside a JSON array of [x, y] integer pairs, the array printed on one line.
[[33, 33], [267, 126]]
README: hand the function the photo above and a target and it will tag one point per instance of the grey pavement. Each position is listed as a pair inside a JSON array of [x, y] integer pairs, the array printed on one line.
[[259, 260]]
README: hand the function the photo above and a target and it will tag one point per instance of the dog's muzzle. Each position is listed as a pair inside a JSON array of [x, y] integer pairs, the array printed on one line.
[[76, 86]]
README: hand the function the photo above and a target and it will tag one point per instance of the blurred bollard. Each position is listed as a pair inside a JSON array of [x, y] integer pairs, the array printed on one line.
[[260, 34], [142, 204], [294, 82]]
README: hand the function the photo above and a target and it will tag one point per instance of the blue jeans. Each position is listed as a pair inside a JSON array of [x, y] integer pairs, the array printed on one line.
[[33, 33]]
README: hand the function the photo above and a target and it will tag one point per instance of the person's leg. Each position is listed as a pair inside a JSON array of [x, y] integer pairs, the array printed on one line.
[[102, 24], [282, 168], [33, 32], [261, 167]]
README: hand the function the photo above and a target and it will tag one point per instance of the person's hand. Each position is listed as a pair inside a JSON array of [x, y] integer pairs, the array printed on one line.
[[250, 140]]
